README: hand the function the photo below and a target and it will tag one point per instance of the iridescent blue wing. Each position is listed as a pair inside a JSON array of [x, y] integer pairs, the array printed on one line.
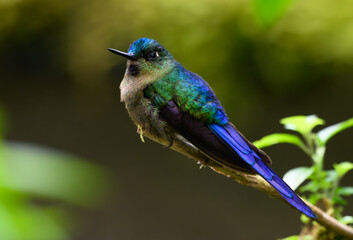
[[227, 146], [233, 138]]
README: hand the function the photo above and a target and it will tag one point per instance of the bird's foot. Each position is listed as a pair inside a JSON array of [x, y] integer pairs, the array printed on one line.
[[170, 144], [140, 131], [201, 164]]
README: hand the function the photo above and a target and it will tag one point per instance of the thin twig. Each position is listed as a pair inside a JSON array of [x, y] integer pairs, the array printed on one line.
[[331, 223], [257, 182]]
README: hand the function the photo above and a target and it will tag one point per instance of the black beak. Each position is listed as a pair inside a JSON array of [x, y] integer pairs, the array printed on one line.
[[125, 55]]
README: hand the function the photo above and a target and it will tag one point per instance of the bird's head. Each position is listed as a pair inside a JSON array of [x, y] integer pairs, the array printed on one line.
[[145, 57]]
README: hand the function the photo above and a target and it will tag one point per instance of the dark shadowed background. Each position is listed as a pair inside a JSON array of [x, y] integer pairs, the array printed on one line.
[[59, 89]]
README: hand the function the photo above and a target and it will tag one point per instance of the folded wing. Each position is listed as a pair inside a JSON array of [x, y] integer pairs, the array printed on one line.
[[226, 145]]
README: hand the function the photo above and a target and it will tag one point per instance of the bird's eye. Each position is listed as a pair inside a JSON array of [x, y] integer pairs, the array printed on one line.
[[153, 55]]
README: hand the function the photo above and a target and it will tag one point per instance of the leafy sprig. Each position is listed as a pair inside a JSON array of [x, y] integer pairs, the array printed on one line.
[[322, 185]]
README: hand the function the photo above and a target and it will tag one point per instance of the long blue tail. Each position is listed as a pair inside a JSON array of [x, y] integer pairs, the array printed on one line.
[[232, 138]]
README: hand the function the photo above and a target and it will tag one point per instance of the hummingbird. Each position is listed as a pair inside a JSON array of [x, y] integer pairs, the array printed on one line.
[[178, 109]]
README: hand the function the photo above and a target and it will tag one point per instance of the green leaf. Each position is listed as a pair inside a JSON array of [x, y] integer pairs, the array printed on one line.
[[325, 134], [307, 237], [310, 187], [276, 138], [344, 191], [304, 219], [20, 222], [346, 220], [297, 176], [302, 124], [339, 200], [314, 198], [293, 237], [342, 168], [50, 173], [269, 11]]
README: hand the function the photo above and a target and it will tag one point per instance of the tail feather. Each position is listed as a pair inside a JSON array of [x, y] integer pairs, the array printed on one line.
[[231, 137]]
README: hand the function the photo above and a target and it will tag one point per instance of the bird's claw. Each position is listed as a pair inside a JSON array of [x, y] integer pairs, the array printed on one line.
[[140, 131], [170, 144]]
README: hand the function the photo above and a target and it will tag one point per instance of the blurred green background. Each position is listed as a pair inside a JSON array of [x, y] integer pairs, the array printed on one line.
[[59, 88]]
